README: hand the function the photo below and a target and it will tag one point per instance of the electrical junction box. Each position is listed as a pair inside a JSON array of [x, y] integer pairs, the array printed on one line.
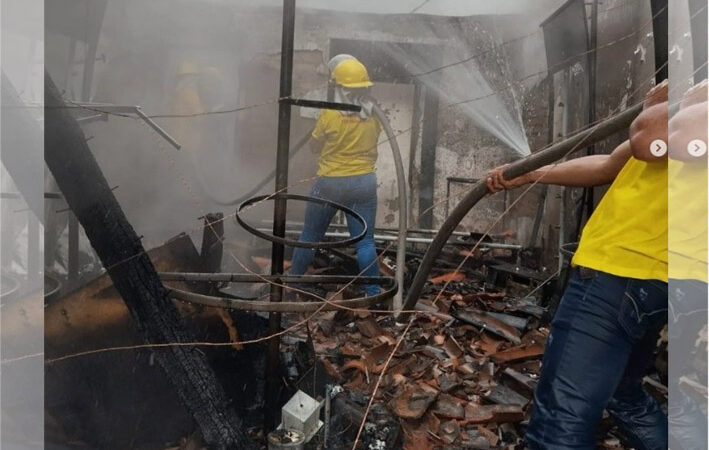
[[302, 413]]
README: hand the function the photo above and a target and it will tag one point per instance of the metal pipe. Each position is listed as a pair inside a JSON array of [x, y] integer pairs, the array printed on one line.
[[104, 108], [279, 210], [532, 162], [397, 302], [376, 229], [157, 128], [223, 277], [389, 284], [322, 105], [280, 307], [410, 239]]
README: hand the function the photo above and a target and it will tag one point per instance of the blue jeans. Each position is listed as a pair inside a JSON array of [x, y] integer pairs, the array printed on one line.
[[357, 192], [598, 351]]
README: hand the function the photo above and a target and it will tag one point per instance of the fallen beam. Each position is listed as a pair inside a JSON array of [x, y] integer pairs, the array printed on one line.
[[87, 192]]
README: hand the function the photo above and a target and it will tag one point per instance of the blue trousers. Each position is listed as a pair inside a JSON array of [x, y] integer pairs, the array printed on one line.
[[357, 192], [600, 347]]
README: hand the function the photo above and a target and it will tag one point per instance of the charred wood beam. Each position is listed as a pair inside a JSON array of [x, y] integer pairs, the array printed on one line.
[[118, 246]]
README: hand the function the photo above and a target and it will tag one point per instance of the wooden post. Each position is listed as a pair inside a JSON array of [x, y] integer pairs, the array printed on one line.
[[118, 246]]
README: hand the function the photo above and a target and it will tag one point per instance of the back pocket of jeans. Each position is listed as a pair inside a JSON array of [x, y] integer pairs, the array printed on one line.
[[643, 307]]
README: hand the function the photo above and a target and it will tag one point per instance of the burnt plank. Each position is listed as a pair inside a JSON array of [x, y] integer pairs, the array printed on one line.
[[87, 192]]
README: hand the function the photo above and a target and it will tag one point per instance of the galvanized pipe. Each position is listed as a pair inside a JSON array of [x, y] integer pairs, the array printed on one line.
[[532, 162], [376, 229], [410, 239]]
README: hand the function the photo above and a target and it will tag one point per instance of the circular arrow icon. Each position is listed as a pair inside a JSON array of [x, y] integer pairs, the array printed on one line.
[[697, 148], [658, 148]]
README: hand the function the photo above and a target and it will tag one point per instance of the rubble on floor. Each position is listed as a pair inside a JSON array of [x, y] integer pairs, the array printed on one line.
[[462, 377]]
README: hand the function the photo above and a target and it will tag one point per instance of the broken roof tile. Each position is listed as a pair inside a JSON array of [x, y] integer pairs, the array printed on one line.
[[478, 414], [487, 322], [503, 395], [413, 402], [520, 353], [449, 277], [448, 406], [449, 431]]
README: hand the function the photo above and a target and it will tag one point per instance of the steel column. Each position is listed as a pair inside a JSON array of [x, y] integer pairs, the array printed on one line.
[[279, 211]]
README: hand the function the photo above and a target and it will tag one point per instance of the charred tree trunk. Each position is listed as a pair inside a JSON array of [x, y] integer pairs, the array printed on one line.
[[86, 191]]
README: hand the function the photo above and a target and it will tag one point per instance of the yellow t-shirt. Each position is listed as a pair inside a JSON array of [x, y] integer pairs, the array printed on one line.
[[350, 143], [627, 233], [687, 220]]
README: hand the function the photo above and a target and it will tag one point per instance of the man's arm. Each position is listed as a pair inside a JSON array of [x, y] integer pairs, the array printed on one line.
[[587, 171], [648, 134]]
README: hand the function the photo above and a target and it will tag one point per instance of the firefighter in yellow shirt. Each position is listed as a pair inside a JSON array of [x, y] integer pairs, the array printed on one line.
[[605, 330], [347, 143]]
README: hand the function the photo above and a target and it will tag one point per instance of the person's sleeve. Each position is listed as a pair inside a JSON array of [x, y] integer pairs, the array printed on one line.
[[322, 126]]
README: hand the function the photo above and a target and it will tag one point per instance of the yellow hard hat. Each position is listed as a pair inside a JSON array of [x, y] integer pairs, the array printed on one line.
[[351, 73], [188, 68]]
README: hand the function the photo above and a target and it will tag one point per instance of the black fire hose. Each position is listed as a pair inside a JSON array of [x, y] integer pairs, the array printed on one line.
[[532, 162]]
